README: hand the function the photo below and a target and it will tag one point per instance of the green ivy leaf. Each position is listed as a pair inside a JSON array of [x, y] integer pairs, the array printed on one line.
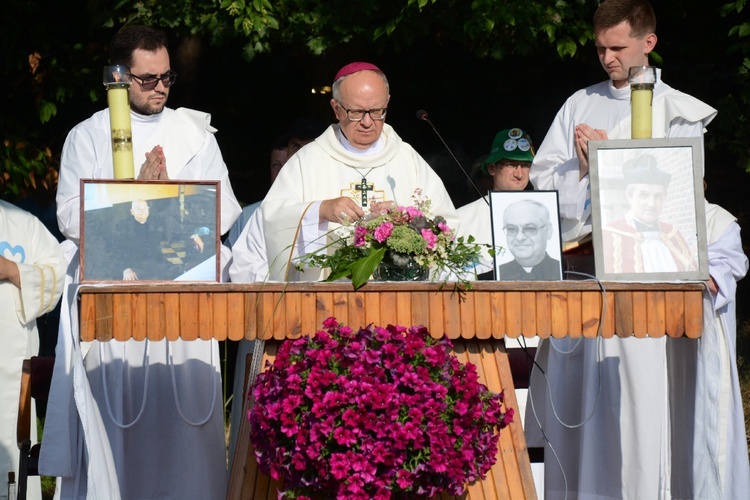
[[46, 111]]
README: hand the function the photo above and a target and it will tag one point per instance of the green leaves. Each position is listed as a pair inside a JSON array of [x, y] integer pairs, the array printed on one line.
[[741, 30], [24, 169], [47, 66], [46, 111], [342, 266], [363, 268]]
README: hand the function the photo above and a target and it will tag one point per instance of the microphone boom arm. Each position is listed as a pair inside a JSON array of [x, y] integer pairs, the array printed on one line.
[[422, 115]]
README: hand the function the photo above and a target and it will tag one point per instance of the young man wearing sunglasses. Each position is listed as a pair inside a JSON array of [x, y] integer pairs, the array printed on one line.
[[150, 402]]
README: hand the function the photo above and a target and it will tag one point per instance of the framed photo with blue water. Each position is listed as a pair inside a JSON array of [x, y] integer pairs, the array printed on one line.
[[647, 208], [526, 235], [155, 231]]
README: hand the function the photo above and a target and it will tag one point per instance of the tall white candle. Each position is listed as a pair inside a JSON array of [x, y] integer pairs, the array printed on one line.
[[117, 82], [641, 97], [642, 80]]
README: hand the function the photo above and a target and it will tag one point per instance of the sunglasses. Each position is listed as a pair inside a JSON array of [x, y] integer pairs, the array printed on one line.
[[150, 82]]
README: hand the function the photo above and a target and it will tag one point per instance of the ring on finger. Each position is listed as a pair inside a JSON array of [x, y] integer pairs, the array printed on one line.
[[342, 215]]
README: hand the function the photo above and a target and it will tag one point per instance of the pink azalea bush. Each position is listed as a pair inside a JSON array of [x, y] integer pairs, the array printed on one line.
[[369, 413]]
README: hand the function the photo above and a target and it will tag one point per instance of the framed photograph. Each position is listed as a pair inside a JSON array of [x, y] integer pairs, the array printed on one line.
[[149, 231], [649, 221], [526, 226]]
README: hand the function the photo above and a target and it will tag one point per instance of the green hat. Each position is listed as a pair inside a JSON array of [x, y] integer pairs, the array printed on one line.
[[510, 144]]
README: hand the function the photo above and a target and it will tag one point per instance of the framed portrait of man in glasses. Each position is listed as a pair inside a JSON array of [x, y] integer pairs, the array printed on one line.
[[526, 235]]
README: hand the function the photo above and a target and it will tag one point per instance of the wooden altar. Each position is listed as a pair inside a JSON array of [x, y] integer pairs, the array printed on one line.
[[476, 320], [489, 310]]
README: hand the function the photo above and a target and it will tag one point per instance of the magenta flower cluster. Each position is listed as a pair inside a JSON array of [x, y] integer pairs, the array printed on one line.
[[371, 413]]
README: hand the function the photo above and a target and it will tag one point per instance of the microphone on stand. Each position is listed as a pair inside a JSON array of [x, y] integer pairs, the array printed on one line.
[[422, 115]]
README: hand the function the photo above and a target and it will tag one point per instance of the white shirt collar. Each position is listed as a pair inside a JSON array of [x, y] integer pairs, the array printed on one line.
[[376, 148]]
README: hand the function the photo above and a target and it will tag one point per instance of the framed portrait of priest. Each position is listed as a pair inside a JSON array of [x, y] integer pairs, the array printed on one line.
[[648, 213], [155, 231], [526, 230]]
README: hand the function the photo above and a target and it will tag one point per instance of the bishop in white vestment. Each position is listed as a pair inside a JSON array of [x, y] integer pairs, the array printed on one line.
[[337, 177]]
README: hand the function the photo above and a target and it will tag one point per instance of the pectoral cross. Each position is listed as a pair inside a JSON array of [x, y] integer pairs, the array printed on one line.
[[364, 187]]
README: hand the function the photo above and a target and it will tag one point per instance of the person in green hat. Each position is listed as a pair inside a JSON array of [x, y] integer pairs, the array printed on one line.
[[508, 163], [509, 160]]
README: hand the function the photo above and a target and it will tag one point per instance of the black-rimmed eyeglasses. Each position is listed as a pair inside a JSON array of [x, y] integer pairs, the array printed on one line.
[[357, 115], [150, 82], [528, 230]]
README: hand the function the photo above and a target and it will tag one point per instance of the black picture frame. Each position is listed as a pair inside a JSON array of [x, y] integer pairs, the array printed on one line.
[[507, 266]]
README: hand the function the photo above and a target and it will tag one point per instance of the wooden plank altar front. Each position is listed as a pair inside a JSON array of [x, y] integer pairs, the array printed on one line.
[[476, 320], [489, 310]]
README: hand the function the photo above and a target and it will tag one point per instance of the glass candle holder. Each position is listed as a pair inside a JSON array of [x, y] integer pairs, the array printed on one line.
[[116, 79], [642, 80]]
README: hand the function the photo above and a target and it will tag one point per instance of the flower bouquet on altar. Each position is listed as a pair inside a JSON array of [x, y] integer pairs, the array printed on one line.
[[396, 243], [373, 413]]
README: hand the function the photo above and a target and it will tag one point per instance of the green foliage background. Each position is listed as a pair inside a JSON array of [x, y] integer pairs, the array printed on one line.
[[50, 65]]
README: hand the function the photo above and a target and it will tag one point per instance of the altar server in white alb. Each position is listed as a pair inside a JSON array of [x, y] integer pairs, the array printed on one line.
[[720, 461], [32, 269], [247, 240], [609, 408], [340, 174], [137, 419], [624, 36]]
